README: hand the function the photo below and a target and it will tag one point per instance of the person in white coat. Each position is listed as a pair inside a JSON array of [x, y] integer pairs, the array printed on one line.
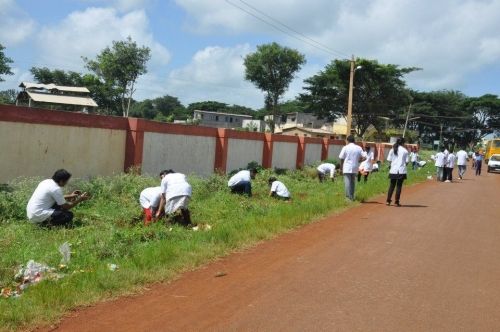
[[398, 157], [366, 166], [450, 165], [350, 157], [175, 195], [278, 189], [462, 159]]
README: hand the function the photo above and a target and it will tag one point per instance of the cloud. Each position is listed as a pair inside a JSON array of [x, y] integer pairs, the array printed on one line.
[[86, 33], [15, 25], [449, 39]]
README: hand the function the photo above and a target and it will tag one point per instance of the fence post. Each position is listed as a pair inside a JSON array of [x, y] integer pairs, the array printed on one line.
[[134, 145], [301, 152], [324, 148], [267, 153], [221, 150]]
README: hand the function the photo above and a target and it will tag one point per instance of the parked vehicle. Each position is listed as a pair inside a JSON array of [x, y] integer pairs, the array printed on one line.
[[492, 147], [494, 163]]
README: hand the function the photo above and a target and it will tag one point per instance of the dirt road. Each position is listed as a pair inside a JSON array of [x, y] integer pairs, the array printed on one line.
[[432, 265]]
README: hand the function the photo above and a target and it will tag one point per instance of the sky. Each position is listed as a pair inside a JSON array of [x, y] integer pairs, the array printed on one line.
[[198, 46]]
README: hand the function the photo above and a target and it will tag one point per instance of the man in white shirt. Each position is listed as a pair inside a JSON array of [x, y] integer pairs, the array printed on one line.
[[175, 195], [440, 162], [241, 182], [150, 201], [462, 160], [366, 166], [278, 189], [49, 205], [324, 169], [414, 158], [350, 157], [450, 165]]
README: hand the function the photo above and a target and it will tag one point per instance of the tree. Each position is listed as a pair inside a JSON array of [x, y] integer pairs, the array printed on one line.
[[4, 64], [8, 97], [271, 68], [119, 67], [379, 90], [166, 109], [215, 106], [105, 95]]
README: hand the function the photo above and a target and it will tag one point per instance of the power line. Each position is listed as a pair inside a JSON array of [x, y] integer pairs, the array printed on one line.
[[283, 30], [293, 30]]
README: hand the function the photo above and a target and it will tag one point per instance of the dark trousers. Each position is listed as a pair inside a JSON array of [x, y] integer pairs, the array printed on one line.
[[398, 184], [448, 173], [479, 165], [60, 217], [414, 165], [244, 187], [321, 176]]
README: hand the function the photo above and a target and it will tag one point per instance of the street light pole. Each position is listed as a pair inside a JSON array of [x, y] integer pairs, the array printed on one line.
[[407, 118], [349, 102]]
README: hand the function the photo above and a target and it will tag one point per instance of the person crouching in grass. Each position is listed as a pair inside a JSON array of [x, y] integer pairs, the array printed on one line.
[[324, 169], [175, 195], [278, 189], [150, 200], [241, 182], [49, 206]]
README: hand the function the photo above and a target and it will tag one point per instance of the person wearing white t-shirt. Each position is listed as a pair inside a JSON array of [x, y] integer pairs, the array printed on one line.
[[398, 156], [414, 158], [241, 182], [450, 165], [150, 201], [350, 157], [366, 166], [462, 159], [324, 169], [175, 195], [278, 189], [440, 162], [49, 205]]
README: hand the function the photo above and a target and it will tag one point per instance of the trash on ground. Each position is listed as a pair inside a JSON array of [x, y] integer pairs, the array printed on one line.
[[112, 267], [65, 250], [429, 177], [220, 274], [202, 227]]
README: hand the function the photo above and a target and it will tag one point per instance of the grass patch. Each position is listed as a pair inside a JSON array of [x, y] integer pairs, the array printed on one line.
[[110, 231]]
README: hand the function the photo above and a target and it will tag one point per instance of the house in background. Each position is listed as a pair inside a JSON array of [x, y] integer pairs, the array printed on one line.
[[51, 96], [256, 125], [309, 125], [219, 120]]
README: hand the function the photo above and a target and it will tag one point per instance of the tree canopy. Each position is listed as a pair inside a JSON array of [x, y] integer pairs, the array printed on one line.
[[4, 64], [119, 67], [272, 68]]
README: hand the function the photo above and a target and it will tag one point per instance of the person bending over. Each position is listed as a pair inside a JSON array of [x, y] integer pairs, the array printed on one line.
[[241, 182], [278, 189], [175, 195], [324, 169], [48, 205], [150, 201], [366, 167]]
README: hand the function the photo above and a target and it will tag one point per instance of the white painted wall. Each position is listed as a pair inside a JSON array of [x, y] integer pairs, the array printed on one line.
[[242, 151], [39, 150], [183, 153], [312, 154], [334, 151], [284, 155]]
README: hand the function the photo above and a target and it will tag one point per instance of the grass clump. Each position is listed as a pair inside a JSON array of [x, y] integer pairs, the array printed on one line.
[[109, 230]]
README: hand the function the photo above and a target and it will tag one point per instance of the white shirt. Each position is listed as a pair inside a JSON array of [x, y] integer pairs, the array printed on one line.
[[413, 157], [150, 197], [241, 176], [351, 153], [450, 162], [440, 159], [367, 165], [398, 162], [46, 195], [280, 189], [461, 158], [175, 185], [327, 168]]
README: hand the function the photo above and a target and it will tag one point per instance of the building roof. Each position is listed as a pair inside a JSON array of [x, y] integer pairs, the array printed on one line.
[[29, 85], [221, 113], [308, 130], [61, 99]]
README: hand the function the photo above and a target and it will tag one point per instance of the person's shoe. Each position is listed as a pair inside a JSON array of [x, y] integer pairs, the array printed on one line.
[[388, 203], [447, 181], [397, 204]]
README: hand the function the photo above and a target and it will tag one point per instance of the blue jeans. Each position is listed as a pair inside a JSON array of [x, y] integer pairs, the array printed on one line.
[[244, 187], [440, 173], [349, 184]]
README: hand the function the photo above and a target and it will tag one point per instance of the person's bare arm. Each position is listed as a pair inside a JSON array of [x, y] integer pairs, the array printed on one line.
[[75, 201], [161, 206]]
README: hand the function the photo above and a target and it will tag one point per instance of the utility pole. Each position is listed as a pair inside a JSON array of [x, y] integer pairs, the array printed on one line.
[[441, 137], [407, 118], [349, 102]]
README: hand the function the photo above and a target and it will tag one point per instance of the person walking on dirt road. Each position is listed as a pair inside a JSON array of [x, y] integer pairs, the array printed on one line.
[[398, 156], [479, 162], [350, 157], [440, 162], [462, 163]]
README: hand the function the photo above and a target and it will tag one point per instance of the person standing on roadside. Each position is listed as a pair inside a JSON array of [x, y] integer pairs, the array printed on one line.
[[398, 156], [350, 157], [414, 158], [474, 155], [440, 162], [479, 162], [450, 165], [462, 163]]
